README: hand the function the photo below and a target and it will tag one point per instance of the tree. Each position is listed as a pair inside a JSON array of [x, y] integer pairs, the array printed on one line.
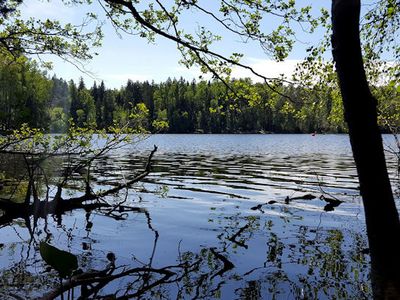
[[58, 120], [24, 93], [73, 92], [109, 107], [83, 107], [87, 109], [94, 92], [21, 36], [60, 94], [361, 116]]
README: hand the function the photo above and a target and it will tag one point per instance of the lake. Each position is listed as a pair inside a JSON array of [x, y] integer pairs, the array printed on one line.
[[219, 217]]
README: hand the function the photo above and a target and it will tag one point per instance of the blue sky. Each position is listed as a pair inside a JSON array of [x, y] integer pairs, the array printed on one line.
[[131, 57]]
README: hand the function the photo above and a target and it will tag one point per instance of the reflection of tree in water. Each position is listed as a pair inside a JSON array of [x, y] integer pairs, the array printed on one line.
[[310, 263], [308, 267], [327, 270]]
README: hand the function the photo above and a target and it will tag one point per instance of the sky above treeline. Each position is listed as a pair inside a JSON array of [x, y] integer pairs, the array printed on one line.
[[124, 57]]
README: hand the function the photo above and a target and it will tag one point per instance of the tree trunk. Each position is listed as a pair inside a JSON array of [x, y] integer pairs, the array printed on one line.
[[382, 219]]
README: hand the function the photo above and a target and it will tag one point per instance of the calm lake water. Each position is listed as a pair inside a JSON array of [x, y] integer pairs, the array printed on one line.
[[214, 211]]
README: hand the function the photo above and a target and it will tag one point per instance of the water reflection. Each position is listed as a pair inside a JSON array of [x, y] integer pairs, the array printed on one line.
[[301, 266], [246, 175], [188, 230]]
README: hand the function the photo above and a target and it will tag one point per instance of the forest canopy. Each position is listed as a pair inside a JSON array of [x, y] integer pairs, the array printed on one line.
[[308, 102], [29, 96]]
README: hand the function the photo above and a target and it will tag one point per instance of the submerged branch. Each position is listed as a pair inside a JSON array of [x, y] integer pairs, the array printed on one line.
[[58, 205], [105, 276], [132, 181]]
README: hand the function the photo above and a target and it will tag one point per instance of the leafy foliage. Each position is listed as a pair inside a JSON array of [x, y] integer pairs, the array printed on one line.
[[30, 36], [24, 93], [62, 261]]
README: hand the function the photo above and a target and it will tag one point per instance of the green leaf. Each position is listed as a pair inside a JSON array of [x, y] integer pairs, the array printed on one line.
[[63, 262], [390, 11]]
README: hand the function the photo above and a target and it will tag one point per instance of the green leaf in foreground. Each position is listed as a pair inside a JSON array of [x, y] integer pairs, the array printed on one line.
[[63, 262]]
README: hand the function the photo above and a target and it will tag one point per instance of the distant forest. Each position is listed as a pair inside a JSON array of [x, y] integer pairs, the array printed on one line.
[[28, 96]]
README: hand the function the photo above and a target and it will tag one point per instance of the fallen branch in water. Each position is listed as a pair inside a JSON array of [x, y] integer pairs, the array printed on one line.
[[134, 180], [331, 202], [58, 205]]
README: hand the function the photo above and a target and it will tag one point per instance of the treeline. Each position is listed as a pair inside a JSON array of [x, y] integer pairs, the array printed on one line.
[[27, 95], [180, 106]]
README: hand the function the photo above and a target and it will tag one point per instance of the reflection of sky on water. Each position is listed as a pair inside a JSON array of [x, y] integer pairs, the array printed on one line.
[[250, 144]]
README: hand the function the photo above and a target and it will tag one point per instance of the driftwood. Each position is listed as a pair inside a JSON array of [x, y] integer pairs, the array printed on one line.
[[331, 202]]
